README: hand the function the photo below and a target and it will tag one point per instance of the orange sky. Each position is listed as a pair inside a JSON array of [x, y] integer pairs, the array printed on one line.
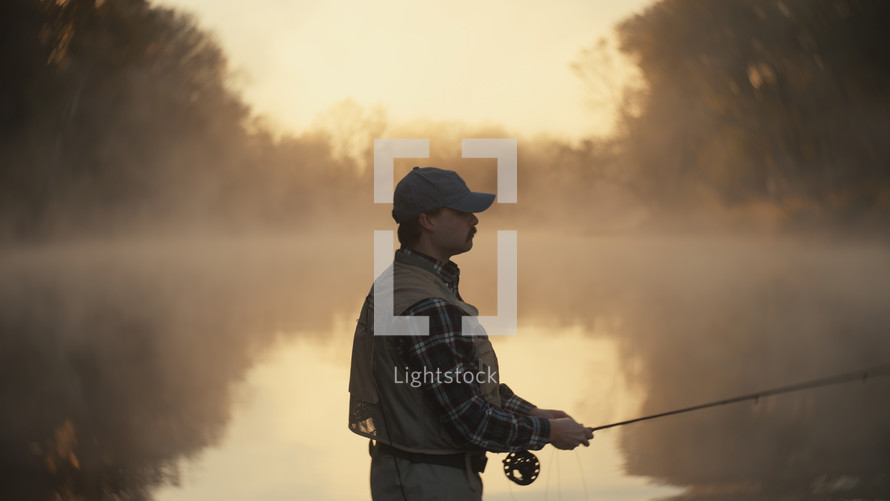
[[501, 62], [504, 63]]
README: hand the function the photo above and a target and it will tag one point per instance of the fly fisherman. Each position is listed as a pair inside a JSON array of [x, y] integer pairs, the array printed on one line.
[[432, 405]]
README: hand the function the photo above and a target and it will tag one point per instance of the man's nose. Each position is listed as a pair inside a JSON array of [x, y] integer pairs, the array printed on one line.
[[473, 219]]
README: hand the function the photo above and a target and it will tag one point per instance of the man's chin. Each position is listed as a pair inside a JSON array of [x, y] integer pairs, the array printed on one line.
[[467, 247]]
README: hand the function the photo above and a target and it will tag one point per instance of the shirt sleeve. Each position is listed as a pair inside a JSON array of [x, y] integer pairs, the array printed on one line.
[[514, 402], [470, 420]]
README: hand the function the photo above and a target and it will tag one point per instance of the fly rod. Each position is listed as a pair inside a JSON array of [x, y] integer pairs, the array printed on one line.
[[523, 467], [847, 377]]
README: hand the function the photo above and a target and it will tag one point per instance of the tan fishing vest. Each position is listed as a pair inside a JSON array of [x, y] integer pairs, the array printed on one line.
[[395, 413]]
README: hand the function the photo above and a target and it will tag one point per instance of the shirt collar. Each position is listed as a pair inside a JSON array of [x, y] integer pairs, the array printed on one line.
[[448, 272]]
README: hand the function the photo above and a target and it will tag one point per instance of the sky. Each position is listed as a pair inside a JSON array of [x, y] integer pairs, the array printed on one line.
[[221, 341], [499, 62]]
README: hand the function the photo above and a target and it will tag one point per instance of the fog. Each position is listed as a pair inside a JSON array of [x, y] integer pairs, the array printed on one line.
[[120, 359], [700, 319], [158, 240]]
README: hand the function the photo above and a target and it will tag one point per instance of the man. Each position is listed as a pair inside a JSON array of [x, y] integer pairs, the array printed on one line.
[[432, 432]]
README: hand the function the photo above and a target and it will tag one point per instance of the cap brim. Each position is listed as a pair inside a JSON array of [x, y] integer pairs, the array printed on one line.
[[473, 202]]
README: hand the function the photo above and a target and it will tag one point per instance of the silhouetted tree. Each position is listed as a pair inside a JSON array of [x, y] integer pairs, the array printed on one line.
[[781, 101], [120, 113]]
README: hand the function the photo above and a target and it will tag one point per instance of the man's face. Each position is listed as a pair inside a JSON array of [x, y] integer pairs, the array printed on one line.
[[454, 231]]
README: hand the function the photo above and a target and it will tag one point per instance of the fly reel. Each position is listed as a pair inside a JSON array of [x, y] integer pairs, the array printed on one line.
[[522, 467]]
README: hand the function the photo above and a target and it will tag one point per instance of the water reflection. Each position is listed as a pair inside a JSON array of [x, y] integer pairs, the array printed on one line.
[[287, 439], [221, 365], [119, 358]]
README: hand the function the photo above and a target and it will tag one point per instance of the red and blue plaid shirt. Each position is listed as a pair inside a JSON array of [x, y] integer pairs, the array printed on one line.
[[470, 420]]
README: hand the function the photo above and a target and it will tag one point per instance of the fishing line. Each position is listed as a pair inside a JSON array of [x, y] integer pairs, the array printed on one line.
[[581, 469], [530, 462], [848, 377], [510, 488], [547, 486]]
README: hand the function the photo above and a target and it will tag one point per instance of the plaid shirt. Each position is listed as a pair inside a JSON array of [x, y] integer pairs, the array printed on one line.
[[470, 420]]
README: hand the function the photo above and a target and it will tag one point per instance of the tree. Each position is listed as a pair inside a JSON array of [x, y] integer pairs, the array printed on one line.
[[778, 102]]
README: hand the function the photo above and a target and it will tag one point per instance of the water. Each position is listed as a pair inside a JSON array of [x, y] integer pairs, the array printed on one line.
[[217, 368]]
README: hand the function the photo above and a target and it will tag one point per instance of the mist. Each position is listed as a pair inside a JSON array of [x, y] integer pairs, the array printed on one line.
[[120, 359], [700, 319], [158, 240]]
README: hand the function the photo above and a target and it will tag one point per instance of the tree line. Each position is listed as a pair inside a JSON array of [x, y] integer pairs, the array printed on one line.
[[116, 114]]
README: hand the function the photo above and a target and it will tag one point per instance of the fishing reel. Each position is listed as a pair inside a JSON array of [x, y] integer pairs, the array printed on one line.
[[522, 467]]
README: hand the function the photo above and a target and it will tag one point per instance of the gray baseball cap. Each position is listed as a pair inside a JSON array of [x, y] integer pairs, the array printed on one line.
[[428, 188]]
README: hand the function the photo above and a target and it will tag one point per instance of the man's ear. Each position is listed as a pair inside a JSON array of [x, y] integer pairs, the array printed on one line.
[[426, 221]]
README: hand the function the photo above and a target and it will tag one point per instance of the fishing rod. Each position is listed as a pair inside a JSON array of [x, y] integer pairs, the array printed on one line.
[[523, 467]]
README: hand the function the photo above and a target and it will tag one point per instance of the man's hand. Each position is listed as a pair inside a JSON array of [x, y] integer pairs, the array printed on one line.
[[548, 413], [566, 434]]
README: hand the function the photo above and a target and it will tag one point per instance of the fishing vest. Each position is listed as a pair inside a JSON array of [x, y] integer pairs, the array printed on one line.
[[389, 410]]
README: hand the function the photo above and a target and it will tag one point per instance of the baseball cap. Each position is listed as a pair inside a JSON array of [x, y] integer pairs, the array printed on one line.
[[428, 188]]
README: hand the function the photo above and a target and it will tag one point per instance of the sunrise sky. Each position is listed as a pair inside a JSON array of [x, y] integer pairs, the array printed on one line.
[[181, 276], [503, 63], [498, 62]]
